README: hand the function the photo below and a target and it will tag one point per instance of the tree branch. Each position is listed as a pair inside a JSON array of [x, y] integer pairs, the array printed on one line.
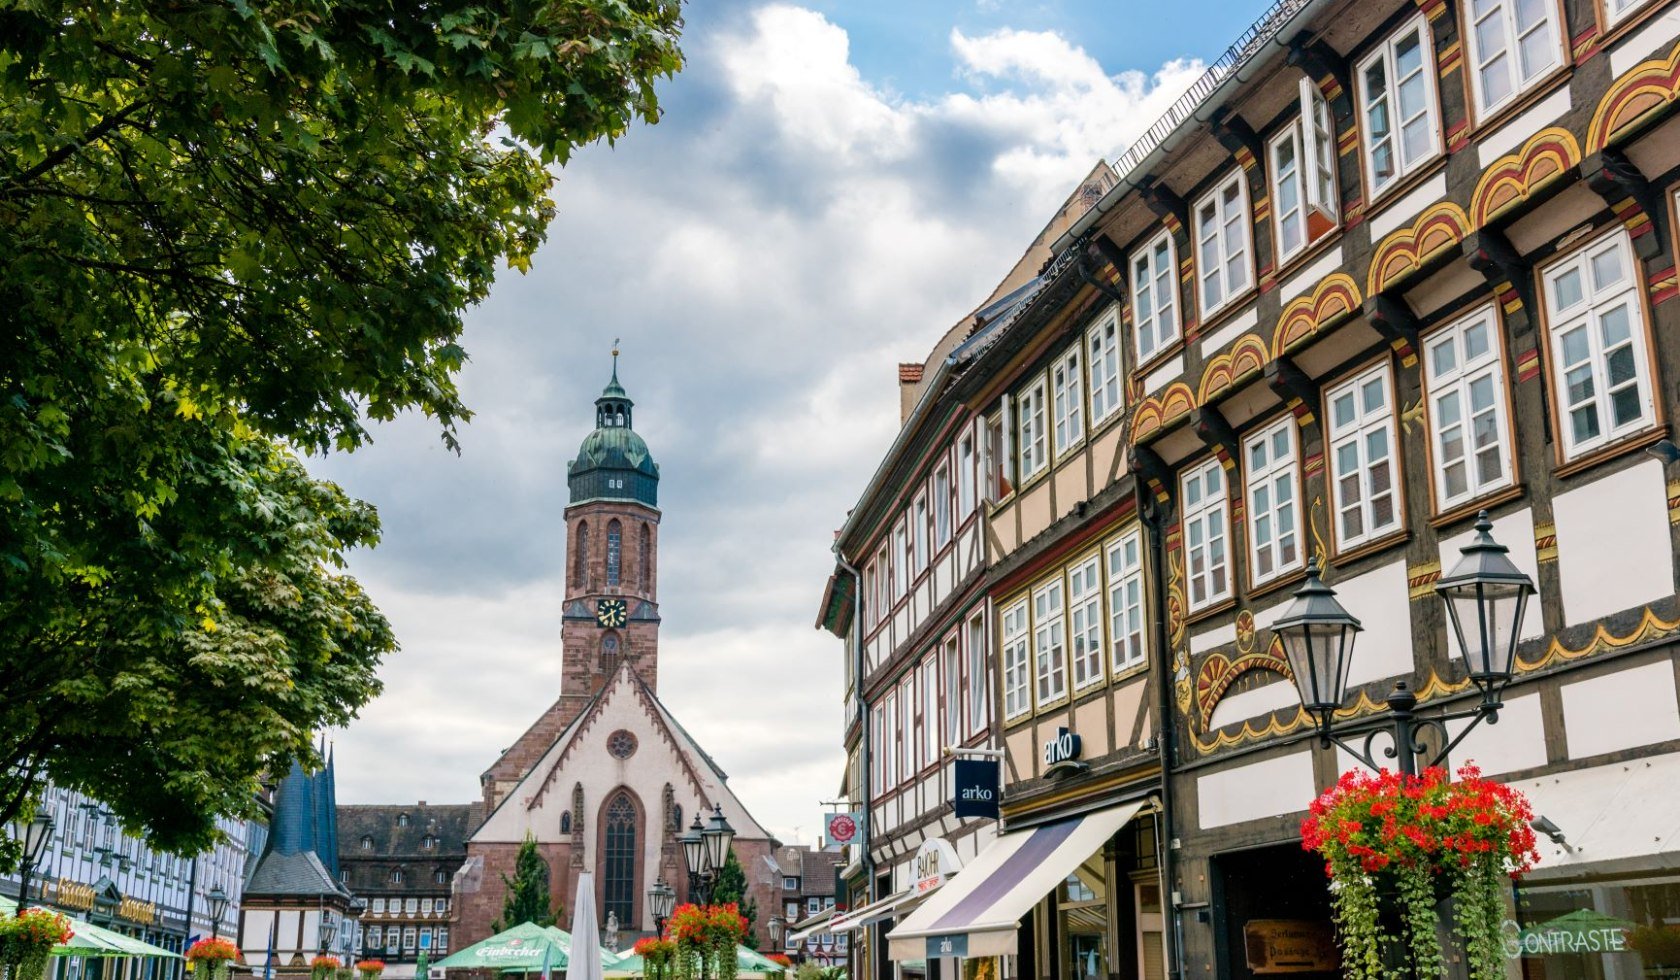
[[98, 132]]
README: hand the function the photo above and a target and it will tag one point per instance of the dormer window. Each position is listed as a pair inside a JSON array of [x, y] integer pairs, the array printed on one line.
[[402, 819], [428, 843], [367, 843]]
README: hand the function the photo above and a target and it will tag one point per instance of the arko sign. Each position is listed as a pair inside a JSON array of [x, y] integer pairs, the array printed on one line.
[[976, 792]]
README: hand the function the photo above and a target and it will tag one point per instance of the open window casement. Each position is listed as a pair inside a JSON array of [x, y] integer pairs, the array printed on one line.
[[1319, 161]]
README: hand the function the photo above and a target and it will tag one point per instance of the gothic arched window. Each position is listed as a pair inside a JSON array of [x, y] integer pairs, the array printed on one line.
[[618, 859], [609, 654], [580, 560], [646, 559], [614, 551]]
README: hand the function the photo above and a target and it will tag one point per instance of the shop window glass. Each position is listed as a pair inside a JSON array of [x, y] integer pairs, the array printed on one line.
[[1602, 929], [1082, 907]]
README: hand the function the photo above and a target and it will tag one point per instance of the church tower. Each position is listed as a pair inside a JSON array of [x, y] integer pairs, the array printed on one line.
[[612, 546]]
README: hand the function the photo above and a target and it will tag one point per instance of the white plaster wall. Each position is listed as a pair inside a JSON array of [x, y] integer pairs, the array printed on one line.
[[1613, 543], [1518, 741], [1621, 710], [1654, 38], [1402, 212], [1310, 275], [1214, 342], [1512, 134], [1378, 599], [254, 933], [1516, 532], [1209, 638], [1171, 368], [1253, 703], [1255, 791]]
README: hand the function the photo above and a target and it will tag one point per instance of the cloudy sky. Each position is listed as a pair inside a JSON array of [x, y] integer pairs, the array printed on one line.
[[833, 185]]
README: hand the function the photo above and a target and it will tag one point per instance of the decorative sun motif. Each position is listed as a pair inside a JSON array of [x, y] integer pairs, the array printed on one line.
[[621, 744]]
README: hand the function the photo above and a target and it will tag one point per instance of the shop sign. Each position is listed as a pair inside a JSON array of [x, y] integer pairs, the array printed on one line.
[[936, 861], [1061, 754], [1581, 931], [976, 788], [941, 946], [1290, 946], [842, 828]]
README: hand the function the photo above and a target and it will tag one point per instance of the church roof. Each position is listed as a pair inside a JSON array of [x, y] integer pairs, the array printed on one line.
[[304, 822], [702, 775], [613, 463]]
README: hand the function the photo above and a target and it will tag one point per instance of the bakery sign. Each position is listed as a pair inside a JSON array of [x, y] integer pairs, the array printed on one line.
[[1290, 946], [936, 861]]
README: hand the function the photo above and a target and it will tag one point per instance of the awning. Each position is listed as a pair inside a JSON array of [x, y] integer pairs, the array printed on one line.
[[811, 925], [981, 906], [1614, 819], [873, 912]]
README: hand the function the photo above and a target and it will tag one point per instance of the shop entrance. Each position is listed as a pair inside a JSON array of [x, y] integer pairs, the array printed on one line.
[[1271, 913]]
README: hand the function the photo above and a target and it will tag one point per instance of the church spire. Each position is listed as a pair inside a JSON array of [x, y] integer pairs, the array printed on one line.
[[614, 463]]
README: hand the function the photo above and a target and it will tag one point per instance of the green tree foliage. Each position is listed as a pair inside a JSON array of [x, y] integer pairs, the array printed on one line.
[[732, 887], [528, 898], [231, 230]]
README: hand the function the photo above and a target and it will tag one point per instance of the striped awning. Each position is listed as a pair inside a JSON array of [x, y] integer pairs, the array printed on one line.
[[811, 925], [978, 911], [873, 912]]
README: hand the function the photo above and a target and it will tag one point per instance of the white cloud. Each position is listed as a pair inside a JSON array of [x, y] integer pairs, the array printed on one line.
[[768, 253]]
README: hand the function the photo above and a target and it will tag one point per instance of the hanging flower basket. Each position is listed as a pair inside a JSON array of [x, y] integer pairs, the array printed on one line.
[[657, 956], [1398, 843], [706, 938], [370, 969], [215, 955], [323, 968], [27, 940]]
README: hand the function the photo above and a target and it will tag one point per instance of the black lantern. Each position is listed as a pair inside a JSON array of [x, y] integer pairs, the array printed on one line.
[[776, 926], [719, 835], [1486, 596], [35, 836], [218, 902], [329, 929], [661, 899], [1318, 635], [694, 846]]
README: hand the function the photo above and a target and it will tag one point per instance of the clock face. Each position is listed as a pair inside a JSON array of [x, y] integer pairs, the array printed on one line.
[[610, 613]]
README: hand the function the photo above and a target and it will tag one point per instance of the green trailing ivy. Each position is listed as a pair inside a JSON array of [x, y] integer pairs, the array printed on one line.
[[1415, 839]]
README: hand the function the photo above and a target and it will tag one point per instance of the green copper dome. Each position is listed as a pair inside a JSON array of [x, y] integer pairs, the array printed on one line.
[[613, 463]]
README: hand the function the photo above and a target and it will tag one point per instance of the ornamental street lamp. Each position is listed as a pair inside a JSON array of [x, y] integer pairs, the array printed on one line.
[[705, 849], [218, 900], [35, 836], [1486, 596], [776, 926], [661, 899]]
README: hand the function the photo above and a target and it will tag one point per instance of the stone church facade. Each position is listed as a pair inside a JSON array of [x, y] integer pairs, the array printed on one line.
[[605, 779]]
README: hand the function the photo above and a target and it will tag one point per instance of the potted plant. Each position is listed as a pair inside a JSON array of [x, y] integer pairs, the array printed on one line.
[[1393, 842], [706, 938], [324, 967], [27, 940], [370, 969], [215, 954]]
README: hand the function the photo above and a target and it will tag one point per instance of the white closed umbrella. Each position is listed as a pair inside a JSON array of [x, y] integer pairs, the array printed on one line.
[[584, 962]]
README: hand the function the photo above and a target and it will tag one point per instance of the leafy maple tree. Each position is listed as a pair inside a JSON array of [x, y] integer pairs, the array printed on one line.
[[230, 231]]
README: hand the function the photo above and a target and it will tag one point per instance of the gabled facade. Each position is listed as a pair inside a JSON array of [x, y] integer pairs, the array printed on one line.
[[294, 906], [401, 860]]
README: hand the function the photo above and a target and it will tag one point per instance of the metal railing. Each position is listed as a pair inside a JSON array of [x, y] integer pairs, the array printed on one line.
[[1235, 57]]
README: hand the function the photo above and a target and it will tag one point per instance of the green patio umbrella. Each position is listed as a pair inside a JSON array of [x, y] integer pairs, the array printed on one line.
[[518, 950]]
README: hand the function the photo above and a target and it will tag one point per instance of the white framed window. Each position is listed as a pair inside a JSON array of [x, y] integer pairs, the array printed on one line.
[[941, 507], [1067, 400], [996, 456], [883, 583], [891, 745], [1155, 295], [1303, 161], [1103, 343], [1598, 338], [878, 739], [409, 935], [902, 563], [965, 476], [978, 717], [1224, 261], [1274, 510], [411, 905], [1469, 431], [375, 936], [1510, 45], [378, 906], [907, 727], [953, 715], [1125, 600], [930, 712], [1207, 516], [1085, 622], [919, 533], [1029, 416], [1049, 644], [1398, 107], [1362, 465], [1616, 10], [1016, 696]]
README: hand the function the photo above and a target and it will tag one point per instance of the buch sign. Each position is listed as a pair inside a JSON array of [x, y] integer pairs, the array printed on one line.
[[976, 788], [1290, 946]]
